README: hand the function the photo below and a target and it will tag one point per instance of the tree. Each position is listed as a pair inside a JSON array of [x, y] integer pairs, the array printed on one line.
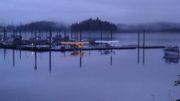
[[93, 25]]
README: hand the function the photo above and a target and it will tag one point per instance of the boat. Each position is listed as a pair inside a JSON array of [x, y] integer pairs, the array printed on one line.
[[112, 43], [172, 51]]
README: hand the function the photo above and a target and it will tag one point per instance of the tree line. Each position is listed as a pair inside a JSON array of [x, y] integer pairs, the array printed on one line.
[[45, 26], [93, 25]]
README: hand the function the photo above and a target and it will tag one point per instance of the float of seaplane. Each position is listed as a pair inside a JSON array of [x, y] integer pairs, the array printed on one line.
[[75, 44]]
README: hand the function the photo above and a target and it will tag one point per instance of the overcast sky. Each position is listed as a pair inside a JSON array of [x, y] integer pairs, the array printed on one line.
[[68, 11]]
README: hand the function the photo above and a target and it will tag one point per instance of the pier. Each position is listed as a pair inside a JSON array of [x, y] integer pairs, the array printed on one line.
[[41, 49]]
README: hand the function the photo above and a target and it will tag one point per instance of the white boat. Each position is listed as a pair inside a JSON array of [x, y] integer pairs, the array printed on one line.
[[110, 43], [172, 51]]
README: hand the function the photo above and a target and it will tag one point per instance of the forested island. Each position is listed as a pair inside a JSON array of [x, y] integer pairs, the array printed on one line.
[[92, 25]]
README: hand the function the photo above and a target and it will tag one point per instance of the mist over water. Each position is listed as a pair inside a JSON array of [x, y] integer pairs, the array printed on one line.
[[68, 11]]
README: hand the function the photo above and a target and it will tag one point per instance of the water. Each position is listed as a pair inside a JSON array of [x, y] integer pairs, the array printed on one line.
[[91, 76]]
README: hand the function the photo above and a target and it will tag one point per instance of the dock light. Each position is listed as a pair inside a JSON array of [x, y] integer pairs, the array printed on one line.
[[32, 44]]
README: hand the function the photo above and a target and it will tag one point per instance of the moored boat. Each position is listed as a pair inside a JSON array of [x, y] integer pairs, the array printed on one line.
[[172, 51]]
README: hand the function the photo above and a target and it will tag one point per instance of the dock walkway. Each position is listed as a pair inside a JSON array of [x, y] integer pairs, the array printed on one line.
[[78, 49]]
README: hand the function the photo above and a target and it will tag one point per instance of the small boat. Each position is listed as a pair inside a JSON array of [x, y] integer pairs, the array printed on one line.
[[172, 51], [112, 43]]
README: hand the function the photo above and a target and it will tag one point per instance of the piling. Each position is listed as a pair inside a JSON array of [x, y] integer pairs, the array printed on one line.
[[80, 36], [80, 50], [80, 61], [35, 43], [4, 54], [4, 31], [138, 39], [13, 53], [50, 36], [111, 34], [71, 35], [111, 59], [144, 39], [50, 62], [101, 36], [35, 61]]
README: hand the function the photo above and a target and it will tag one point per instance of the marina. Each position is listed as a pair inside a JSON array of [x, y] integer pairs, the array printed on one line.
[[59, 43], [89, 50]]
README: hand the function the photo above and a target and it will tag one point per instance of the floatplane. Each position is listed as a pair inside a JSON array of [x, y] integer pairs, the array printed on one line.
[[75, 44]]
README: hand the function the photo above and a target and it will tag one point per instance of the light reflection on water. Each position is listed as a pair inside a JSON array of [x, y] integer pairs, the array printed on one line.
[[88, 76]]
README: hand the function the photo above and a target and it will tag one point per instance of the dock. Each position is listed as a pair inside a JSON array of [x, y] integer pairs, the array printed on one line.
[[44, 49]]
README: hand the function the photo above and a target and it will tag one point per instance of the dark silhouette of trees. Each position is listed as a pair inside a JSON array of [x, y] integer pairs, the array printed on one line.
[[42, 26], [93, 25]]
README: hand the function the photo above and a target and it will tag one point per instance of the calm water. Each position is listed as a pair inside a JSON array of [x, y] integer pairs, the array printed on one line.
[[93, 75]]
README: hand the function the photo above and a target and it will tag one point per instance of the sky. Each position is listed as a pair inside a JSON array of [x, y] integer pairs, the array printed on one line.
[[70, 11]]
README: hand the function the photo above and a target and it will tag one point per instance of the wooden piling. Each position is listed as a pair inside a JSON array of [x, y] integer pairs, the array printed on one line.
[[111, 49], [144, 47], [111, 34], [71, 35], [101, 36], [4, 31], [80, 36], [111, 59], [35, 61], [50, 61], [4, 54], [35, 43], [138, 39], [50, 36], [80, 61], [13, 53]]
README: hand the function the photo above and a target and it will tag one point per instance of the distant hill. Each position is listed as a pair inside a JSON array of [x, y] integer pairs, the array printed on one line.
[[93, 25], [150, 27], [43, 26]]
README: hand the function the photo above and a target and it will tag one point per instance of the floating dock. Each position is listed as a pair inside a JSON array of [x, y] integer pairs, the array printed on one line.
[[41, 49]]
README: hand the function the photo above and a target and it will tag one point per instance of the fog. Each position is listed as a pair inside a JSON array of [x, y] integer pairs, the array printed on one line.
[[68, 11]]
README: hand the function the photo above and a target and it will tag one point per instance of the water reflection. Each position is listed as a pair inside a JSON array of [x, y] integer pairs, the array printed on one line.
[[35, 61], [77, 53], [4, 54], [113, 58], [50, 61], [107, 52], [20, 54], [13, 57], [81, 54], [171, 60], [81, 58], [177, 82]]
